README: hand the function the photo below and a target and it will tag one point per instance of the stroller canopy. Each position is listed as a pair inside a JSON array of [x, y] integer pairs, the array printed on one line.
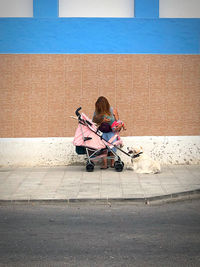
[[85, 135]]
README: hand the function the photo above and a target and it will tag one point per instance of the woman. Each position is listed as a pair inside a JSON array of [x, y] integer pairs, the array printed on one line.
[[103, 108]]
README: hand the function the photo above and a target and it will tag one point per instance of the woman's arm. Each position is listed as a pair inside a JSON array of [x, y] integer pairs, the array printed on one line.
[[116, 115]]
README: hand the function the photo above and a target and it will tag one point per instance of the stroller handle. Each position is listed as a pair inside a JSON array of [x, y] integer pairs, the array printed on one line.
[[79, 116], [77, 112]]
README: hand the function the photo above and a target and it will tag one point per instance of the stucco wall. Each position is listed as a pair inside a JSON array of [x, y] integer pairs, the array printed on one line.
[[60, 151], [148, 67]]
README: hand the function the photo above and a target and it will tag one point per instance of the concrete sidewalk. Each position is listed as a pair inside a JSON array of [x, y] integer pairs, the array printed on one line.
[[73, 183]]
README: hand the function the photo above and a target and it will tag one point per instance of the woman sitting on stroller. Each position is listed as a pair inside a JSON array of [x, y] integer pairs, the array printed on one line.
[[108, 121]]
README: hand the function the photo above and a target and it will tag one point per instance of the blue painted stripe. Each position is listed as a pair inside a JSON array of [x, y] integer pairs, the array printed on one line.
[[45, 8], [100, 36], [146, 8]]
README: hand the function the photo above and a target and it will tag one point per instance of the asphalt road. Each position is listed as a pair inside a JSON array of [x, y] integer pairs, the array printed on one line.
[[100, 235]]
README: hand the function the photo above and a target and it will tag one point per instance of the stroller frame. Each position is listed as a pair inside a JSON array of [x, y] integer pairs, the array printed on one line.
[[92, 154]]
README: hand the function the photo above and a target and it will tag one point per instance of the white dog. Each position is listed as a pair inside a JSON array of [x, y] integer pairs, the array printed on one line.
[[141, 162]]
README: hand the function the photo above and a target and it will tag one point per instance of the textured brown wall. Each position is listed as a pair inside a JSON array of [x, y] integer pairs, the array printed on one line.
[[154, 94]]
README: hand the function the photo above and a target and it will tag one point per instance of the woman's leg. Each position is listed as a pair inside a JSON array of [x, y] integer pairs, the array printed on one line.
[[110, 154], [112, 162], [105, 163]]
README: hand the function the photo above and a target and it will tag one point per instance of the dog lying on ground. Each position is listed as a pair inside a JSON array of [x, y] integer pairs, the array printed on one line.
[[141, 162]]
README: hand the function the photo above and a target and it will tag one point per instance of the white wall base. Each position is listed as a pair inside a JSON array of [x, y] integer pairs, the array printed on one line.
[[60, 151]]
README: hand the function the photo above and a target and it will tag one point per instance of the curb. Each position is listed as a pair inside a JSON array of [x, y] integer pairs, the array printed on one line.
[[187, 195]]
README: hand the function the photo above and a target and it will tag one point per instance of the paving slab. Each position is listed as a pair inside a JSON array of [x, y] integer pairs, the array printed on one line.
[[73, 183]]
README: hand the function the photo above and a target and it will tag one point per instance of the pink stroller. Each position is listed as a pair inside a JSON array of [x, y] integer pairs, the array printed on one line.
[[88, 140]]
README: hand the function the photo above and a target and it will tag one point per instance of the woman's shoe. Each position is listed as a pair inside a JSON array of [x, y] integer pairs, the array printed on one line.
[[104, 167]]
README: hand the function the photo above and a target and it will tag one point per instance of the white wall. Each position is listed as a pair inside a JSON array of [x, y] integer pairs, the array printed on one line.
[[179, 8], [125, 8], [16, 8], [102, 8], [60, 151], [96, 8]]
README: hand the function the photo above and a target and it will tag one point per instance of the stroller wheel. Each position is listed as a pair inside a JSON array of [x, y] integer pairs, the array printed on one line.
[[119, 165], [89, 166]]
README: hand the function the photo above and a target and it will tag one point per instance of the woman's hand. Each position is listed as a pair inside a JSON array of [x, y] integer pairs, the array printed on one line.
[[119, 127]]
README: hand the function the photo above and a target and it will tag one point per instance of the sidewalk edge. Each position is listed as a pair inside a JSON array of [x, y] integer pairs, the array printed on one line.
[[193, 194]]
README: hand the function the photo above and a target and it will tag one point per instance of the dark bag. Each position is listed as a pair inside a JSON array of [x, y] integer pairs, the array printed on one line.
[[105, 127], [80, 150]]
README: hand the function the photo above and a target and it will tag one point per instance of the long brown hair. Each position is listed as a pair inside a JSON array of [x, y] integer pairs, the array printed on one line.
[[102, 106]]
